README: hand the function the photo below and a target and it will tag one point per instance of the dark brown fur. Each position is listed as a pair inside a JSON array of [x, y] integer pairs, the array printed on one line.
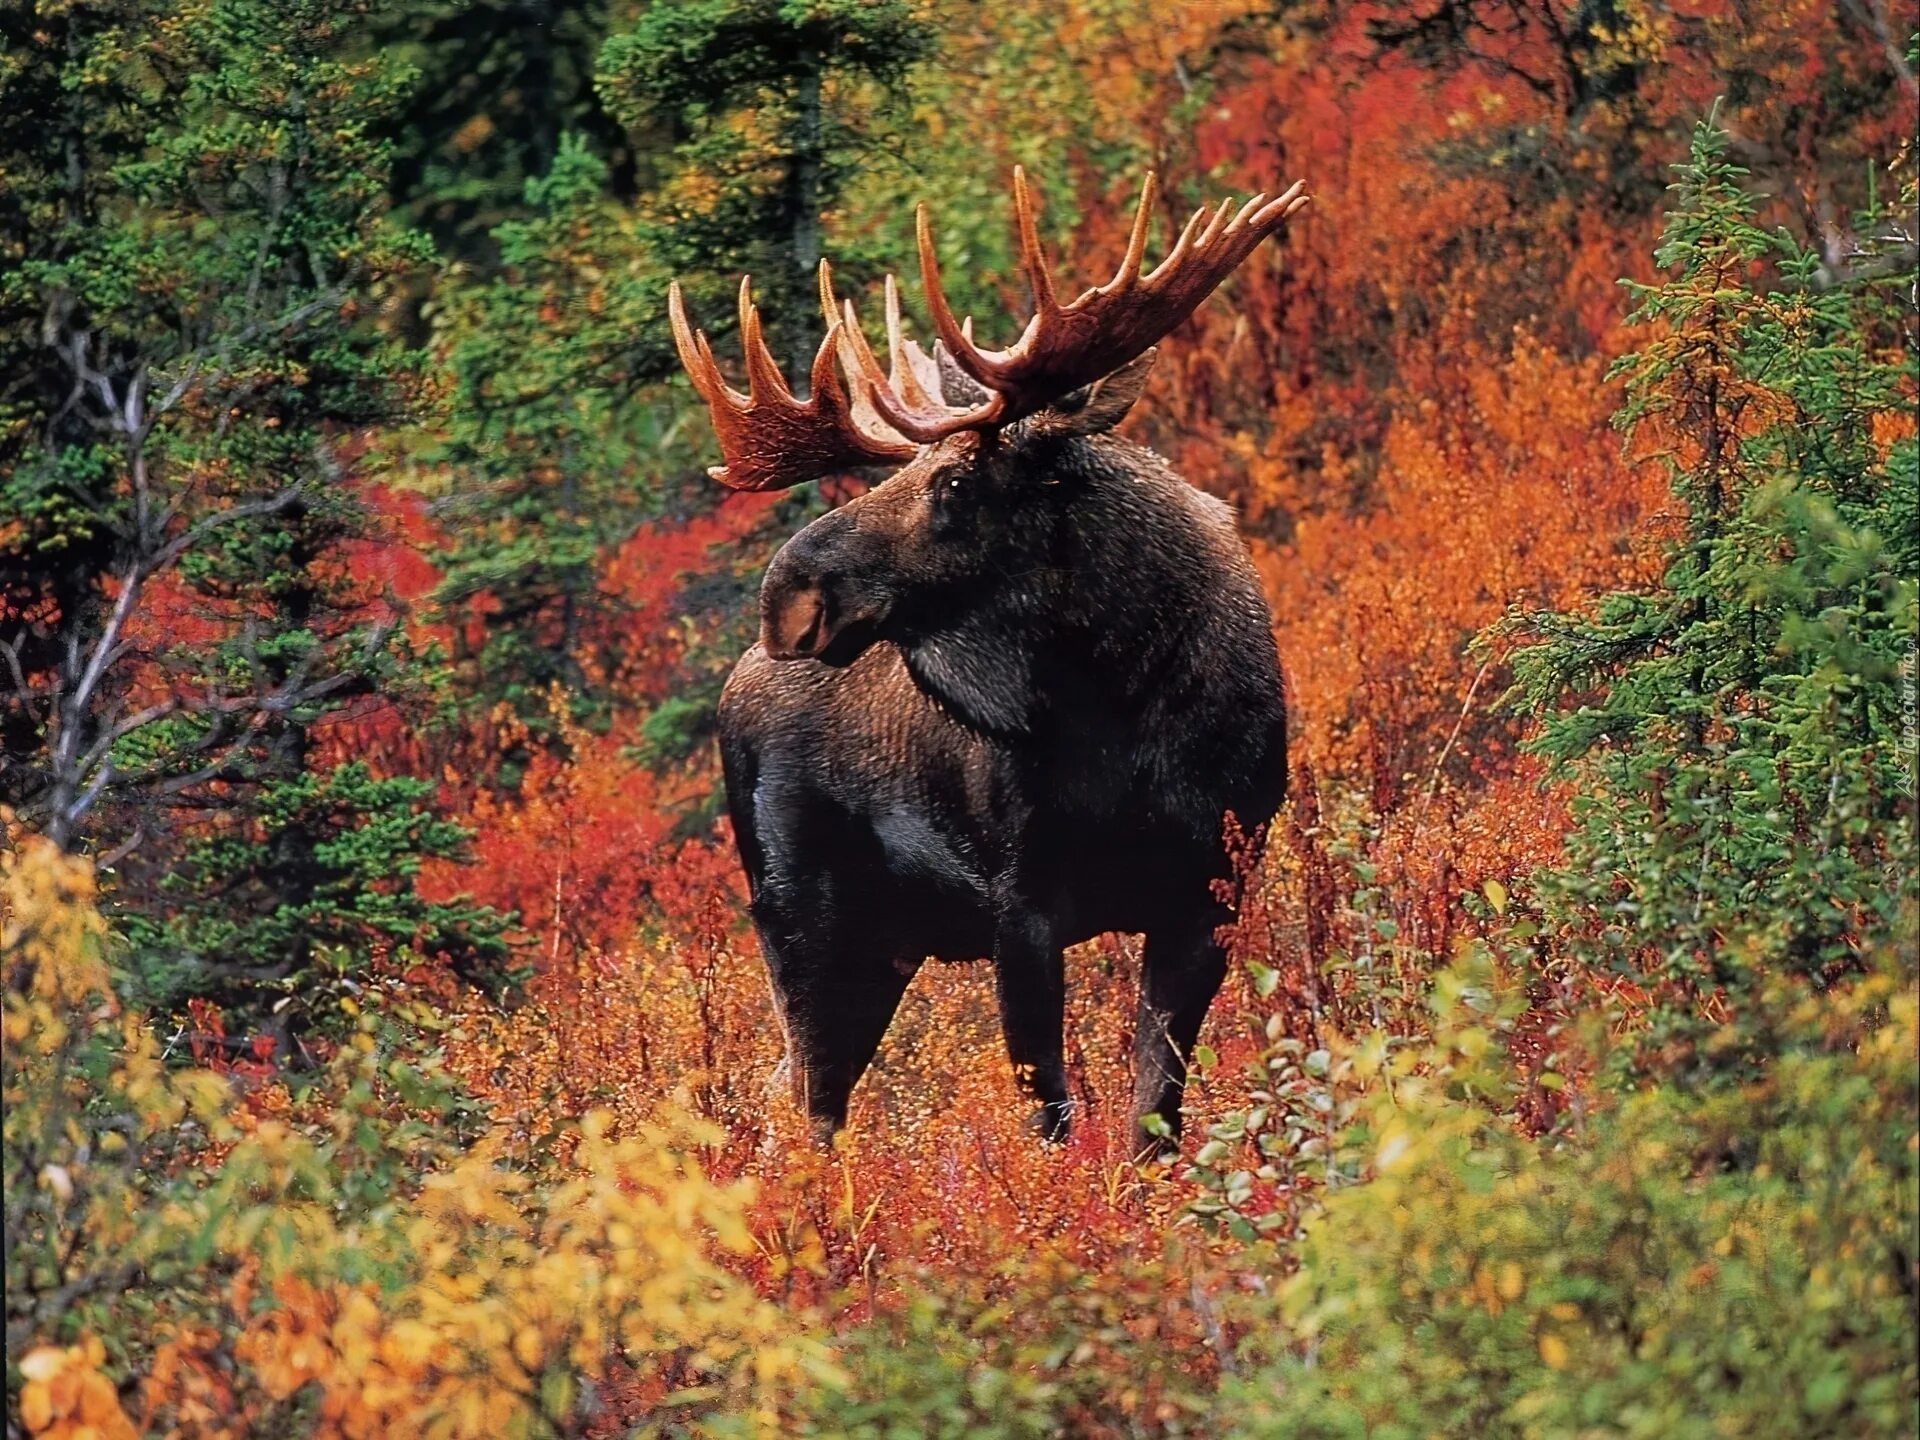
[[1017, 689]]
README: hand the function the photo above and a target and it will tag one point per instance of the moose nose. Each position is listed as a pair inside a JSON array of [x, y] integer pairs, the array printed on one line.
[[796, 597], [793, 623], [821, 599]]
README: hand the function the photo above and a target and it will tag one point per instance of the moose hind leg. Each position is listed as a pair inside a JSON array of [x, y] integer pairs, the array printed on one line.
[[1181, 973], [1030, 981]]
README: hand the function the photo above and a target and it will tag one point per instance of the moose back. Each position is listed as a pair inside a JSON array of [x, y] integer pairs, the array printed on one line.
[[1005, 700]]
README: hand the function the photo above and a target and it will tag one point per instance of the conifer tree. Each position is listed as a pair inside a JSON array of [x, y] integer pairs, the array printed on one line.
[[744, 120], [196, 241], [1737, 735], [498, 85]]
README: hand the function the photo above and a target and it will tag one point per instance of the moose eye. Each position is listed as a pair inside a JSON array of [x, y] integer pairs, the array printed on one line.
[[950, 511]]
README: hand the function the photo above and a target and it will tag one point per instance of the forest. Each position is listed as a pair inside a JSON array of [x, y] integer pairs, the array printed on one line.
[[387, 1049]]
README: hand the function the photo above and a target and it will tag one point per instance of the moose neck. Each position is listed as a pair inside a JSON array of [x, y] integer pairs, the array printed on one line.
[[1095, 619]]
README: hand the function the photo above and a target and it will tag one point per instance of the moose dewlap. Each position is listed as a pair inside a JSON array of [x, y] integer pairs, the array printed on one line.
[[1005, 700]]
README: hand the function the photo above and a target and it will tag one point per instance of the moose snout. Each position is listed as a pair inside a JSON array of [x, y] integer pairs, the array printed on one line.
[[793, 624], [812, 607]]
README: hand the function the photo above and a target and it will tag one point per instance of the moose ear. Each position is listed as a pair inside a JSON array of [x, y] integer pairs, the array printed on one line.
[[957, 388], [1100, 406]]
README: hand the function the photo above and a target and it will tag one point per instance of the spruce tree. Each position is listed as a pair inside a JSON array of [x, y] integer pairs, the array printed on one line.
[[1737, 736], [497, 86], [743, 121], [196, 248]]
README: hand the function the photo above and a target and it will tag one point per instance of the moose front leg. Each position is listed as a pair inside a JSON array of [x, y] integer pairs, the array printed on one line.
[[1030, 979], [836, 996], [1180, 974], [836, 1017]]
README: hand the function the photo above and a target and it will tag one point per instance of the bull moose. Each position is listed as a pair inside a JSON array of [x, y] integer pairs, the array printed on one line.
[[1003, 701]]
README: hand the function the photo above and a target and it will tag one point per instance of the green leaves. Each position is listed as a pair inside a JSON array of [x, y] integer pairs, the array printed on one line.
[[745, 121], [1726, 1262], [321, 875], [709, 56]]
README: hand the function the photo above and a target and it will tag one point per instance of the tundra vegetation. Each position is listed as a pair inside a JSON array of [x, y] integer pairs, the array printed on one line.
[[386, 1044]]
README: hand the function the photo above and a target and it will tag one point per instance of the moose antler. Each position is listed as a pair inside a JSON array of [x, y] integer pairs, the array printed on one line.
[[770, 439], [1067, 346], [888, 413]]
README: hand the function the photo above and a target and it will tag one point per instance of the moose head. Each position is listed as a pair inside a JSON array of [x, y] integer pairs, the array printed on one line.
[[960, 505]]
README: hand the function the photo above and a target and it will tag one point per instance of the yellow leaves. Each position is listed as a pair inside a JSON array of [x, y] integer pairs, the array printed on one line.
[[477, 1191], [1553, 1351], [56, 1179], [1396, 1150], [288, 1347], [500, 1290], [509, 1293], [1494, 1290], [188, 1391], [144, 1080], [409, 1347], [50, 933], [1512, 1282], [203, 1092], [65, 1397]]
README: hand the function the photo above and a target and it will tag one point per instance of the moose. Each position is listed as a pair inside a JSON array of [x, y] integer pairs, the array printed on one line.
[[1004, 700]]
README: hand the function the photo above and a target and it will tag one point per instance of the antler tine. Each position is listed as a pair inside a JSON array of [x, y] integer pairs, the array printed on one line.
[[1196, 237], [891, 302], [911, 370], [896, 398], [829, 302], [695, 355], [763, 371], [822, 380], [1128, 275], [772, 440], [1032, 259], [925, 420], [846, 334], [865, 383], [1066, 346], [1225, 246], [958, 344]]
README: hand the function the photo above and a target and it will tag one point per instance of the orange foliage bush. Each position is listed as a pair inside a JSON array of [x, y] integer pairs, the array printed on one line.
[[67, 1398]]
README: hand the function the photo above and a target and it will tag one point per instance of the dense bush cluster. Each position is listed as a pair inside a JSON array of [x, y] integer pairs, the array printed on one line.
[[1738, 1261], [351, 1254]]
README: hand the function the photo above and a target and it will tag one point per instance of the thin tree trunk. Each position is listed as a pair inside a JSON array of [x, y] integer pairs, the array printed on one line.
[[803, 215]]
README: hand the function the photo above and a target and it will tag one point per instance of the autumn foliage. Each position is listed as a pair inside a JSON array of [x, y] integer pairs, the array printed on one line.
[[497, 1142]]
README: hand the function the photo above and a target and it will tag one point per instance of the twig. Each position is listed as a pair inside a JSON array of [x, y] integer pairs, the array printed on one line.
[[1466, 706]]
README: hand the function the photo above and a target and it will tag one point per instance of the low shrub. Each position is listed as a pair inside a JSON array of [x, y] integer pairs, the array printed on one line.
[[191, 1253], [1735, 1261]]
